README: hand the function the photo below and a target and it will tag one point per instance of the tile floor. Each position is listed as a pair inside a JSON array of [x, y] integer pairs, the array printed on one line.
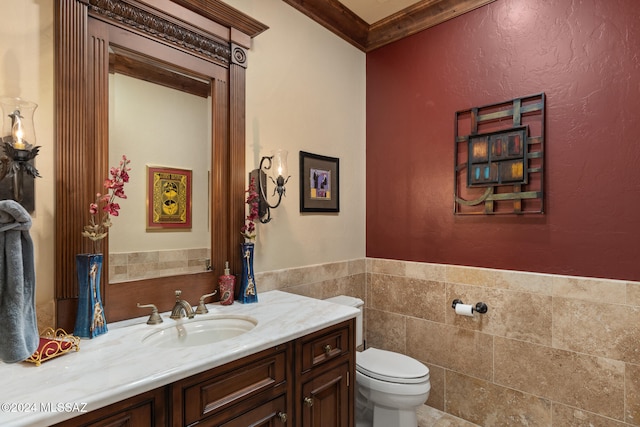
[[430, 417]]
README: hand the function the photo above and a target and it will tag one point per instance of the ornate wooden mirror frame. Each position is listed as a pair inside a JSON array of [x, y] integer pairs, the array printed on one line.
[[207, 38]]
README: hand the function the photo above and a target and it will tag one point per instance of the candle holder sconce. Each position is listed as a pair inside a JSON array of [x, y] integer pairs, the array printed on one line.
[[17, 172], [277, 166]]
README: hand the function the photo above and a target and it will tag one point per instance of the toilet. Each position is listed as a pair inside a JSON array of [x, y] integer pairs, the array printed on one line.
[[390, 386]]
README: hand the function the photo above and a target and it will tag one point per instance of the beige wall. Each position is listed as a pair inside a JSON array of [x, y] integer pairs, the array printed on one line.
[[26, 71], [305, 91]]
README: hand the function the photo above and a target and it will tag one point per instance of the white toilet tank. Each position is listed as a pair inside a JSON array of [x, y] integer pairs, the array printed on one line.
[[351, 302]]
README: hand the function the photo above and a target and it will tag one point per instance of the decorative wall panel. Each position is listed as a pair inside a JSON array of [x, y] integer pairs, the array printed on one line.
[[499, 158]]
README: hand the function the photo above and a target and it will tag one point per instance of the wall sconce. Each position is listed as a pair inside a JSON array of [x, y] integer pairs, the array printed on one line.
[[277, 166], [18, 141]]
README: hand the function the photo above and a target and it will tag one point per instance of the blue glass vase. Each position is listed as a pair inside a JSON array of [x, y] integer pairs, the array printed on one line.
[[90, 321], [247, 292]]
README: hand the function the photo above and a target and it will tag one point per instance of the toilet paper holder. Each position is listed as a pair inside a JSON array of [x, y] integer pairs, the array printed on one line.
[[480, 307]]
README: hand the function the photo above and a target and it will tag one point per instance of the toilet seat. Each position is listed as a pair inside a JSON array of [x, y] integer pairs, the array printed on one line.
[[391, 367]]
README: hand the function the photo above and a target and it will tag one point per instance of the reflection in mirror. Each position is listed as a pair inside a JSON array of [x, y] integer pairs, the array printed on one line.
[[158, 126]]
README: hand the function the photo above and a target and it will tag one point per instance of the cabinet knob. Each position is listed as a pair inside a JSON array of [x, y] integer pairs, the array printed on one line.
[[327, 349], [282, 416], [308, 401]]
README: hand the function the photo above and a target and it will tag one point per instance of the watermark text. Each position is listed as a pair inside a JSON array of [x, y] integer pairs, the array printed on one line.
[[44, 407]]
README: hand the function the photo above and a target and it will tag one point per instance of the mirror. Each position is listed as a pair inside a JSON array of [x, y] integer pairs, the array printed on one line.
[[201, 39], [158, 126]]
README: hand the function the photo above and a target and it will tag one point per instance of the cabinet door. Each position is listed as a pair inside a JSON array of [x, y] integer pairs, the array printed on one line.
[[147, 409], [325, 398]]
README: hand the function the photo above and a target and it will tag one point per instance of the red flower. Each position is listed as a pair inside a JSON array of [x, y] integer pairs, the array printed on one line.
[[248, 230]]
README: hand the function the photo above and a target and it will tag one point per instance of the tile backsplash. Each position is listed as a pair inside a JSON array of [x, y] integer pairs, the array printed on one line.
[[144, 265]]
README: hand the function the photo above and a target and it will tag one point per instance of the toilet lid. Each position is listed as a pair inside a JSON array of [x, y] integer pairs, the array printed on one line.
[[391, 367]]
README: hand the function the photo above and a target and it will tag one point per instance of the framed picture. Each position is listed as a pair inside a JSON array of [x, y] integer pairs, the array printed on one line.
[[319, 183], [168, 198], [497, 158]]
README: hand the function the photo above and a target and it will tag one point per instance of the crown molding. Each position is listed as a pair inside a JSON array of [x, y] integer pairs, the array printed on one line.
[[337, 18]]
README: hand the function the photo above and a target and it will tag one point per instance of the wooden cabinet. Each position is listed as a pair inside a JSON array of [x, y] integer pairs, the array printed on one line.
[[307, 382], [223, 395], [325, 367]]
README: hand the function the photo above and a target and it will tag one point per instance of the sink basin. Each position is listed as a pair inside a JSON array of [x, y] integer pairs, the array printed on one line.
[[198, 332]]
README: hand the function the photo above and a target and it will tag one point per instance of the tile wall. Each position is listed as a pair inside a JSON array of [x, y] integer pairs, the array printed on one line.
[[148, 264], [551, 351], [318, 281]]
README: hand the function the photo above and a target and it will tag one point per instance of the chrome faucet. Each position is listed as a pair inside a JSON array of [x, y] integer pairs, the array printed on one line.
[[182, 308]]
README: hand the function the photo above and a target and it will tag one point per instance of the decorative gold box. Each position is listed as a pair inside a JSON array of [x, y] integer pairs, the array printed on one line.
[[53, 344]]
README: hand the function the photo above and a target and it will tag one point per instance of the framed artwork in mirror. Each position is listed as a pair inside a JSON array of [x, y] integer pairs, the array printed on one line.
[[319, 183], [168, 198]]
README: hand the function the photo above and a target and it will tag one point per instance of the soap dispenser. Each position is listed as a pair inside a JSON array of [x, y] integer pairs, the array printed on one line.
[[227, 283]]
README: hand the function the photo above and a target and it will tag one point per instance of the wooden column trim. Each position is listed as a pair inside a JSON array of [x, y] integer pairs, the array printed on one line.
[[71, 125], [220, 175], [238, 176]]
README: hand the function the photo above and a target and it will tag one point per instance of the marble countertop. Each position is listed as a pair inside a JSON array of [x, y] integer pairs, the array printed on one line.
[[117, 365]]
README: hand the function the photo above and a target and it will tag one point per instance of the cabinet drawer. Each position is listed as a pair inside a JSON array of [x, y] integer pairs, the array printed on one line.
[[273, 413], [223, 388], [326, 345]]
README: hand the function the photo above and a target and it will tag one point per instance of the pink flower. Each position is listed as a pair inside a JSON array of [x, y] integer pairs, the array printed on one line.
[[119, 192], [112, 208], [98, 227]]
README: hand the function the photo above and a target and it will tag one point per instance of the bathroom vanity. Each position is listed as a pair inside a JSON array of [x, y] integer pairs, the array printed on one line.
[[295, 367]]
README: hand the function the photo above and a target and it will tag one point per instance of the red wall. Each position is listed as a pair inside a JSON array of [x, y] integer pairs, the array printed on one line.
[[585, 55]]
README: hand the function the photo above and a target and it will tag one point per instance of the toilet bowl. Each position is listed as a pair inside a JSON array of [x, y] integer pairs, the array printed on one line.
[[390, 386]]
